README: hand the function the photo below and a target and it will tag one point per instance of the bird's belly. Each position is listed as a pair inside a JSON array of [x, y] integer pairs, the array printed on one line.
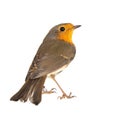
[[58, 71]]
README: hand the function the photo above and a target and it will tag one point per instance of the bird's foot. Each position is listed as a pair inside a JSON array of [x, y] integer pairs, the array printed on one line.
[[45, 91], [66, 96]]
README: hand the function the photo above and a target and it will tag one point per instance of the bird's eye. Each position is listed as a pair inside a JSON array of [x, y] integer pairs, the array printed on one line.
[[62, 29]]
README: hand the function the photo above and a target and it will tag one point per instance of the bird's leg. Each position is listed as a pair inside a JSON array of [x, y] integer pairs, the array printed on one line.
[[64, 94], [45, 91]]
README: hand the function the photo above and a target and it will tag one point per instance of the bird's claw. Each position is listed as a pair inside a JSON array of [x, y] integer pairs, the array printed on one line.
[[45, 91], [66, 96]]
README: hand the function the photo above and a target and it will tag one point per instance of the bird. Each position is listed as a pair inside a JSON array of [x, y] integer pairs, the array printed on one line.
[[53, 56]]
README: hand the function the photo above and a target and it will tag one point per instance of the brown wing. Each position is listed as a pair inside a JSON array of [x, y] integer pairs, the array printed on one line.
[[51, 55]]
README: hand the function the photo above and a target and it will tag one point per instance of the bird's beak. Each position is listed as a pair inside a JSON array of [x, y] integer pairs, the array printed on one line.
[[77, 26]]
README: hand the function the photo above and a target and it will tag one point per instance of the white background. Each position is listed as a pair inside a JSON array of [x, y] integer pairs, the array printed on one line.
[[94, 74]]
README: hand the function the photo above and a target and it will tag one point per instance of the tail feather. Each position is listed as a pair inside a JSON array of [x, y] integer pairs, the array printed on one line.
[[32, 90], [36, 97]]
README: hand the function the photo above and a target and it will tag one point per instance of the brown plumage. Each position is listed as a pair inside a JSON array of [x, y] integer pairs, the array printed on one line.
[[52, 56], [31, 89]]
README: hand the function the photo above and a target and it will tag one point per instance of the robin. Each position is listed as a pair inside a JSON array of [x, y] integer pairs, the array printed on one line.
[[53, 55]]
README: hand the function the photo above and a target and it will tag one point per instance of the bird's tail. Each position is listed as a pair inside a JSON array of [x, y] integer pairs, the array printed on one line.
[[32, 90]]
